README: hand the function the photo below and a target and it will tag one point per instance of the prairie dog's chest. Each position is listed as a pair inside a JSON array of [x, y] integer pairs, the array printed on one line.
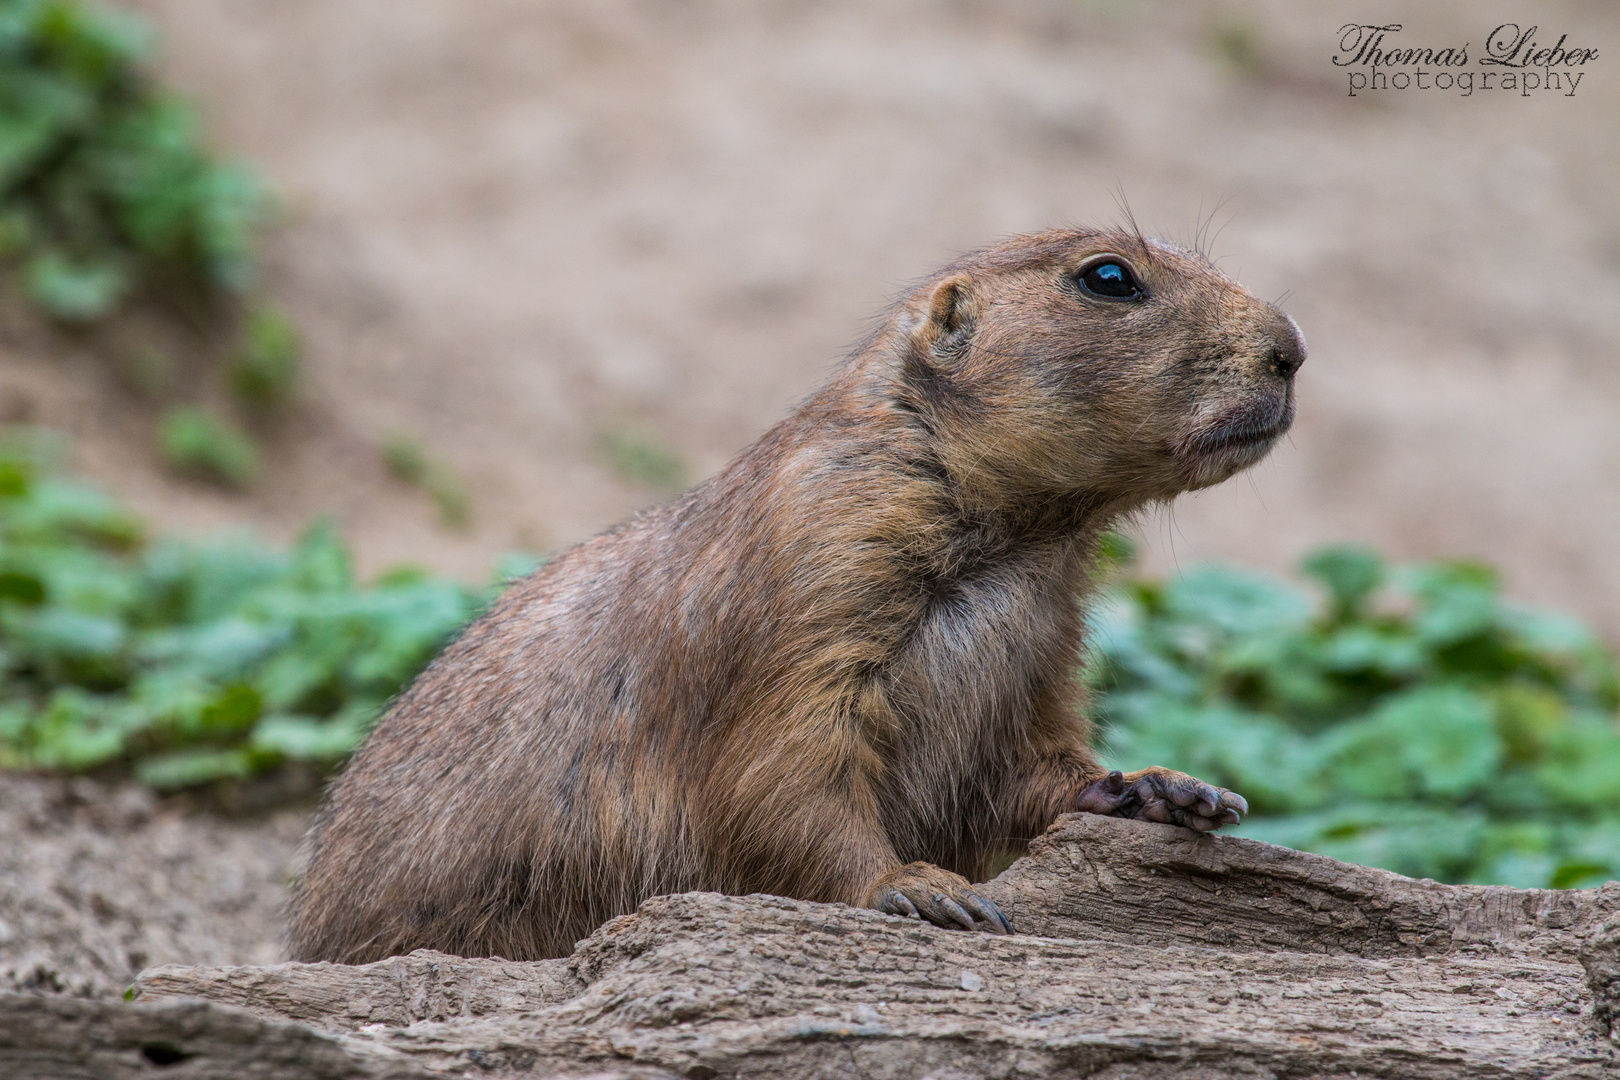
[[987, 647]]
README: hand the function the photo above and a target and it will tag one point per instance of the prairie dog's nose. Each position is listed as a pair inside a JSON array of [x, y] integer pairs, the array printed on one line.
[[1288, 346]]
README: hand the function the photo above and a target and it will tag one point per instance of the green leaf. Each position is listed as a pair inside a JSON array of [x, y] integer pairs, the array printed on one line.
[[1520, 869], [513, 566], [1595, 841], [289, 678], [200, 583], [75, 290], [23, 588], [1249, 752], [15, 478], [190, 768], [104, 179], [321, 561], [232, 713], [1367, 760], [15, 230], [169, 698], [1530, 720], [1414, 840], [222, 649], [61, 515], [191, 661], [1351, 575], [196, 441], [232, 206], [93, 42], [1579, 875], [304, 738], [16, 721], [1237, 601], [74, 732], [1446, 736], [1582, 771], [1378, 650], [408, 461], [264, 372], [55, 631], [1126, 657], [1456, 601]]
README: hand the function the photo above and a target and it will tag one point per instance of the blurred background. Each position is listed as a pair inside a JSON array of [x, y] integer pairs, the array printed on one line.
[[522, 267], [515, 230]]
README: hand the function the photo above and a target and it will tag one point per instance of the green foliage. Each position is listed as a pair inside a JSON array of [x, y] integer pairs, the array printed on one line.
[[264, 372], [105, 188], [407, 460], [639, 461], [104, 184], [191, 662], [1403, 717], [197, 442], [1395, 716]]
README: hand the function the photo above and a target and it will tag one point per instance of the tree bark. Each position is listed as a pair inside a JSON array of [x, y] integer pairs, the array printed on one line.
[[1145, 951]]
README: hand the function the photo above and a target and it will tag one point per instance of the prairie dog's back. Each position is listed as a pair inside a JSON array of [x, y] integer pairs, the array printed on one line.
[[497, 765]]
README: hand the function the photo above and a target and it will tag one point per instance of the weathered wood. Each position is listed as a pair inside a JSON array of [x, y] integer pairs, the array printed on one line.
[[1154, 954], [401, 990], [1600, 957], [1127, 881], [77, 1039]]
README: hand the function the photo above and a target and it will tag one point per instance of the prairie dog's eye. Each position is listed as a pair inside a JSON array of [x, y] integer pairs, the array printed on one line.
[[1111, 281]]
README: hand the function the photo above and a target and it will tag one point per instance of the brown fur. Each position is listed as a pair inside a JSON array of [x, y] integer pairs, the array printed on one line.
[[852, 649]]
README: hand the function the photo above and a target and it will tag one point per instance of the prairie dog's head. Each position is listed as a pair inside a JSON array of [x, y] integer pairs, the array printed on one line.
[[1096, 363]]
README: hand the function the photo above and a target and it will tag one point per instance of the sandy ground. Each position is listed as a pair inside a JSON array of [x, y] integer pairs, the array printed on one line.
[[513, 226], [100, 880]]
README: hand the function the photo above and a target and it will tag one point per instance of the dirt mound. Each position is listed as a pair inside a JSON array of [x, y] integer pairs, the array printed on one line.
[[98, 881]]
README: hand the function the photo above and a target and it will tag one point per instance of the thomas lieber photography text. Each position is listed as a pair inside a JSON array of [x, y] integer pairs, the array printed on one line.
[[1517, 59]]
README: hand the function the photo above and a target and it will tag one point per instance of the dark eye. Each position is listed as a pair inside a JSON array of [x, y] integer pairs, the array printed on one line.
[[1111, 281]]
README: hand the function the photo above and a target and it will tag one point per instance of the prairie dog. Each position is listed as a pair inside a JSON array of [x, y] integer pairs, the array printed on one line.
[[842, 669]]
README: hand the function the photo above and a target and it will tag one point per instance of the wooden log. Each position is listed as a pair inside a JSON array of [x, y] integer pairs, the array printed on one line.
[[1146, 952]]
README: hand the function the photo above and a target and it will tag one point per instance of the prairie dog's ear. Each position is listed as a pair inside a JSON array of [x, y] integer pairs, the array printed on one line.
[[949, 310]]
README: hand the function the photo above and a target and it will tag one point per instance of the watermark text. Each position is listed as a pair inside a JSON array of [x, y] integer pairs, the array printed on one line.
[[1513, 58]]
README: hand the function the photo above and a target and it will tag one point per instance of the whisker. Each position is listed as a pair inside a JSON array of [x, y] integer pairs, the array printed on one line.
[[1124, 205], [1224, 200], [1249, 476]]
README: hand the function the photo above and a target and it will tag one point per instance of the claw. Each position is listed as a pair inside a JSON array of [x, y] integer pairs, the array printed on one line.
[[1209, 801], [903, 902], [954, 910], [922, 890], [1166, 796], [987, 912]]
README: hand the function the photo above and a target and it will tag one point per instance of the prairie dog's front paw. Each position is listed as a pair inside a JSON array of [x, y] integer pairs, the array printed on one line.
[[923, 890], [1159, 794]]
